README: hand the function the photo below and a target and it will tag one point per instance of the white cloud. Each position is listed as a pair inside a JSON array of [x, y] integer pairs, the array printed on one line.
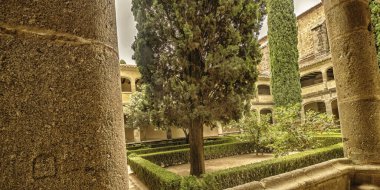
[[126, 25]]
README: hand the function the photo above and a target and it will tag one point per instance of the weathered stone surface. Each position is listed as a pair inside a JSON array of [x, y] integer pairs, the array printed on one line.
[[357, 77], [60, 115], [338, 174], [89, 19]]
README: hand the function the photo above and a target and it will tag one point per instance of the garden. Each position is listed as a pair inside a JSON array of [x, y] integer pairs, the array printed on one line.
[[290, 142]]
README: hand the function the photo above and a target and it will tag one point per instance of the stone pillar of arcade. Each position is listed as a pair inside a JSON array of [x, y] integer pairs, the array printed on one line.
[[60, 106], [357, 77]]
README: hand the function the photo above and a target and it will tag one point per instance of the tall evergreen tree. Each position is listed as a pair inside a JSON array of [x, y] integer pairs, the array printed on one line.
[[282, 36], [199, 60], [375, 18]]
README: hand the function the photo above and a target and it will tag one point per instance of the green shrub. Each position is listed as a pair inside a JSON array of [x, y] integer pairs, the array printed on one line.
[[254, 172], [176, 157], [328, 140], [177, 147], [154, 176]]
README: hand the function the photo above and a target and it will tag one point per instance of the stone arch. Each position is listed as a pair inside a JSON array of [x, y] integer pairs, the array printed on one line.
[[311, 79], [330, 74], [263, 89], [126, 85], [318, 106]]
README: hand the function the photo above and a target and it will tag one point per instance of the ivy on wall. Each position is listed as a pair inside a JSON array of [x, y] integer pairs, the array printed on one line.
[[283, 41]]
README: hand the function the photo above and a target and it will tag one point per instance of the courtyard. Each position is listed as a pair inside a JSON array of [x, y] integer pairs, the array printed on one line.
[[181, 95]]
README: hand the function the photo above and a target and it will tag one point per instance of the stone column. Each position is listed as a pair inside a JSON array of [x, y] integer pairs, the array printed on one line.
[[133, 85], [220, 129], [136, 135], [60, 104], [328, 107], [324, 77], [357, 77]]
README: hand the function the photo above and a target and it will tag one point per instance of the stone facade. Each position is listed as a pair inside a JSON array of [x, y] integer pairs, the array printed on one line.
[[316, 68]]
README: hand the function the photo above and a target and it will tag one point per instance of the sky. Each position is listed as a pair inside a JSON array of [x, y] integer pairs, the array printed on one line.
[[126, 29]]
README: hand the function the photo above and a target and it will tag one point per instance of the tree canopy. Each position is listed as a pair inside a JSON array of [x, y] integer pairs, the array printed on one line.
[[198, 59], [282, 38]]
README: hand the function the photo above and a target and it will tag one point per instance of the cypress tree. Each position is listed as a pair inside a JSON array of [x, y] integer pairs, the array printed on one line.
[[198, 59], [375, 18], [282, 36]]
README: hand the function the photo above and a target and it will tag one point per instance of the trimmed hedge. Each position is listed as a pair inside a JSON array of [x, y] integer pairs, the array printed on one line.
[[177, 147], [254, 172], [176, 157], [154, 176], [328, 140]]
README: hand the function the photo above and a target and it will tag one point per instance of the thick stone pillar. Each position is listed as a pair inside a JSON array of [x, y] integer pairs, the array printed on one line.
[[60, 104], [357, 77]]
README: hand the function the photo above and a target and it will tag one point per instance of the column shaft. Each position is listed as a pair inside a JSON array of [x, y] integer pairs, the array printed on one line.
[[357, 77], [60, 104]]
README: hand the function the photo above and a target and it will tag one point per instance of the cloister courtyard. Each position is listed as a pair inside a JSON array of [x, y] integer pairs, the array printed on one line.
[[226, 94]]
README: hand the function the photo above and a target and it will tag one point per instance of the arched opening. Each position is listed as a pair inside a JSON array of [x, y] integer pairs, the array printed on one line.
[[315, 106], [263, 90], [126, 85], [266, 112], [335, 110], [330, 74], [138, 84], [311, 79]]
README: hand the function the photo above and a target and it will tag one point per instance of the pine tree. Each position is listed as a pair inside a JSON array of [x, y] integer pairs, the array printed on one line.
[[282, 36], [198, 59]]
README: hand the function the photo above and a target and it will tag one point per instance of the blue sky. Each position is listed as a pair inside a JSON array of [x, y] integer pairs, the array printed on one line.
[[126, 25]]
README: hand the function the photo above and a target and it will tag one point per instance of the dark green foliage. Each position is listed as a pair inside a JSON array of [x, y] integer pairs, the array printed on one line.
[[177, 147], [159, 178], [122, 62], [176, 157], [198, 59], [375, 18], [154, 176], [282, 37]]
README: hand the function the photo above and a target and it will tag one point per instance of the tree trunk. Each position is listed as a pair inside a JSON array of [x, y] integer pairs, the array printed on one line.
[[169, 133], [186, 136], [197, 159]]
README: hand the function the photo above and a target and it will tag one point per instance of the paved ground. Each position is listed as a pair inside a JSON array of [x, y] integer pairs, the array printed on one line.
[[134, 182], [222, 163], [211, 165]]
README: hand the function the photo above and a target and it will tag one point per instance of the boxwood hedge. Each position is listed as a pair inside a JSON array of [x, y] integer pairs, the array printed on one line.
[[156, 177]]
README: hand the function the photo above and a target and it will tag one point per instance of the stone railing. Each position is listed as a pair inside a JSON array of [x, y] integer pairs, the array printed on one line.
[[338, 174]]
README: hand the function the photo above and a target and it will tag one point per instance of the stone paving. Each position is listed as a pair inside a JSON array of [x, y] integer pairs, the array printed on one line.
[[222, 163], [211, 165], [134, 182]]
